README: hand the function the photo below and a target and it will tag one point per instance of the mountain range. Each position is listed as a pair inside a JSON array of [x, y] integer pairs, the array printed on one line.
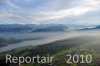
[[92, 28], [40, 28], [32, 28], [57, 27]]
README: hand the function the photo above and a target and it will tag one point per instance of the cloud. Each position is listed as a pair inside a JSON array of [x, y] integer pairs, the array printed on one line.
[[82, 8], [9, 3], [76, 11], [46, 11]]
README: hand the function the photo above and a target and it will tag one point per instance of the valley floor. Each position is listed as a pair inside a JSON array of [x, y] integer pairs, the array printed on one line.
[[86, 43]]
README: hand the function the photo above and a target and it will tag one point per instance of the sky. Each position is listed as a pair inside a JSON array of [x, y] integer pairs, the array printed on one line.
[[79, 12]]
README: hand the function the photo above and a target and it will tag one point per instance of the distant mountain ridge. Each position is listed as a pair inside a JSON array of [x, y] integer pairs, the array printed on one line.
[[15, 28], [93, 28], [32, 28], [51, 28], [97, 27]]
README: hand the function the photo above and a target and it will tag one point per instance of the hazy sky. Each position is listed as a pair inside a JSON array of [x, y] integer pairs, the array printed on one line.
[[50, 11]]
